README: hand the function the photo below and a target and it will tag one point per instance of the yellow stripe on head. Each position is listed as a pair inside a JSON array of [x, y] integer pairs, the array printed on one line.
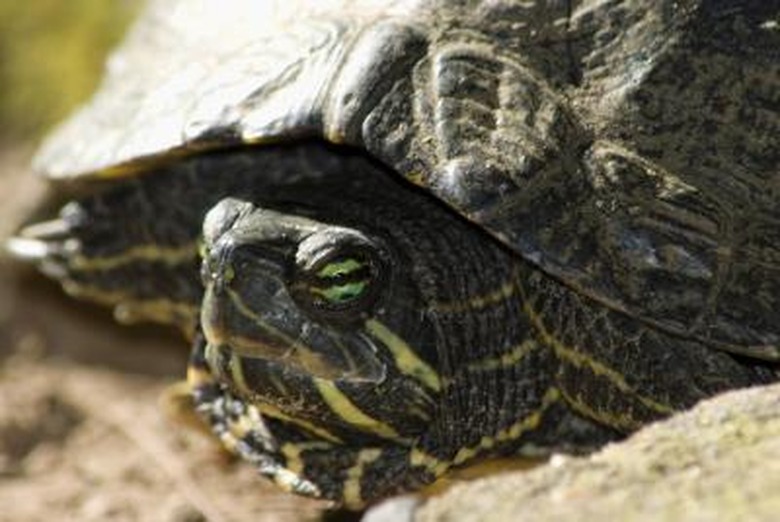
[[406, 359], [275, 413], [346, 409]]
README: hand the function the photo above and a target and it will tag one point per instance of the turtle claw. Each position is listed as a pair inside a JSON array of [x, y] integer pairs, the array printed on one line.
[[25, 249], [41, 242], [47, 230], [47, 244]]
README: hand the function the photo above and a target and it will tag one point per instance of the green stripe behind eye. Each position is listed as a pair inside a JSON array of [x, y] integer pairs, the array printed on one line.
[[341, 293], [340, 268]]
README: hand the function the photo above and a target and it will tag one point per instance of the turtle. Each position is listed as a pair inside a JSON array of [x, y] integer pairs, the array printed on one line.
[[405, 237]]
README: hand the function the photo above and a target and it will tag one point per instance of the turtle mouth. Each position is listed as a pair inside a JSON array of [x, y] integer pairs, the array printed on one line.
[[224, 360], [229, 367], [269, 330]]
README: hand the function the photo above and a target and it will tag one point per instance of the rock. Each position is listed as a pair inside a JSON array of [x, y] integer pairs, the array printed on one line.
[[398, 509], [719, 461]]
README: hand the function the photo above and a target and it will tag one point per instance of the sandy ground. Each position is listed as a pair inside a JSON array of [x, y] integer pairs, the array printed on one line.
[[83, 435]]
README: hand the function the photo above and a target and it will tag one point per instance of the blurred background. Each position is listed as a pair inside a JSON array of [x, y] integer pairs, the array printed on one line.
[[51, 58], [83, 434]]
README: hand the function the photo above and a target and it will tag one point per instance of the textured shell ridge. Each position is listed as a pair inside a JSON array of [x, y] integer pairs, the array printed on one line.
[[220, 74], [626, 149]]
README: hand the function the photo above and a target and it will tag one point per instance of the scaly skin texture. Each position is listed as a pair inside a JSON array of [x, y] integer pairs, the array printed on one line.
[[475, 352]]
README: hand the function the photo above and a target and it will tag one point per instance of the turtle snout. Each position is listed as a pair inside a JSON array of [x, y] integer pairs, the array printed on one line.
[[243, 285], [247, 310], [218, 242], [216, 274], [222, 217]]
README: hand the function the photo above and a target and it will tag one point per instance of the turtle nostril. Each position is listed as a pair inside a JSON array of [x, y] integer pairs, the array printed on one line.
[[218, 263], [208, 270]]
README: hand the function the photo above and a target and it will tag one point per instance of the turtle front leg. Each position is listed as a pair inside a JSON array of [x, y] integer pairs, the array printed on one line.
[[124, 249]]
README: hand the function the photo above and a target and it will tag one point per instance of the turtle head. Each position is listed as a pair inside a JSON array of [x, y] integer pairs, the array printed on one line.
[[293, 290], [315, 319]]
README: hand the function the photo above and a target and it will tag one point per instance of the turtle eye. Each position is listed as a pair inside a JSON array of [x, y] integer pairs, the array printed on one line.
[[341, 282]]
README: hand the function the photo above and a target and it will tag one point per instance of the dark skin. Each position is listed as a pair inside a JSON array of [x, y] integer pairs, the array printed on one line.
[[353, 338]]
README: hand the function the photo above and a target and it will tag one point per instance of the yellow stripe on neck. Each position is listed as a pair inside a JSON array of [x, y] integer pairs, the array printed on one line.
[[353, 494]]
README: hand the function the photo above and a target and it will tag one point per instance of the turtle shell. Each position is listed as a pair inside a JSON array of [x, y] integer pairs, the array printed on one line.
[[629, 150]]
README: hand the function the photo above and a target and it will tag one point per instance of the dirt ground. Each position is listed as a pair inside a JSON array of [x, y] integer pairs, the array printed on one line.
[[83, 434]]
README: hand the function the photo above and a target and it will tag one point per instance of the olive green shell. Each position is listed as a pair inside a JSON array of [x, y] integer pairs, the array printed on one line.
[[629, 149]]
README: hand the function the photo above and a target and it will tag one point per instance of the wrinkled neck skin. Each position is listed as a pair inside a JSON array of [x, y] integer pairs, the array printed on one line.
[[422, 372]]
